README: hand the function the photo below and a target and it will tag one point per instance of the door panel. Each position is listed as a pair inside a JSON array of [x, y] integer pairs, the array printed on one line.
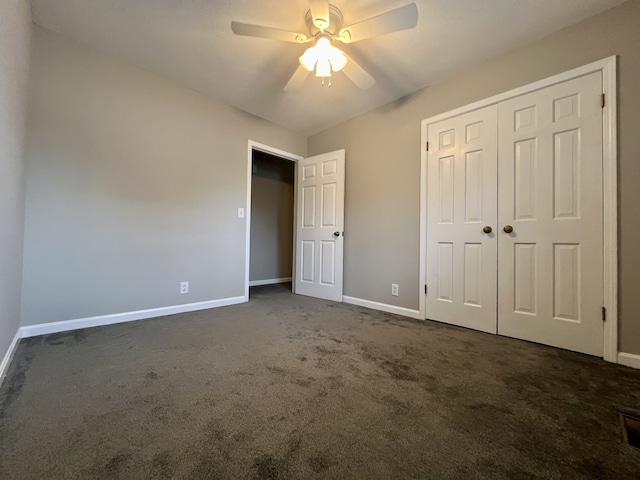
[[319, 258], [473, 274], [525, 280], [461, 258], [550, 192]]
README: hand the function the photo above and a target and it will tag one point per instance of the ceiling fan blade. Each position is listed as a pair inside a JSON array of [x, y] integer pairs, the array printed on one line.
[[393, 21], [357, 74], [249, 30], [320, 13], [297, 79]]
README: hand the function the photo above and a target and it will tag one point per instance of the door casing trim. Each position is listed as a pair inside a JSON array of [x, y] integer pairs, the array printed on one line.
[[247, 256], [608, 68]]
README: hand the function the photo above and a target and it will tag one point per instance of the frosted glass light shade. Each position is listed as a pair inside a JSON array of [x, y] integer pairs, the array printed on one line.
[[338, 60], [309, 58], [323, 68], [323, 57]]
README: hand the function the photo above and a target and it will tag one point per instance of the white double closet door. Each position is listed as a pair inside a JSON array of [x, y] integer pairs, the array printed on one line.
[[529, 169]]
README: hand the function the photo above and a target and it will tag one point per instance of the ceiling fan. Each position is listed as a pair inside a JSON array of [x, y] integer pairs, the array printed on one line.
[[324, 22]]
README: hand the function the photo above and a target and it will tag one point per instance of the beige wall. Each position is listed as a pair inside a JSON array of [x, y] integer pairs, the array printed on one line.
[[133, 185], [383, 159], [15, 26], [271, 217]]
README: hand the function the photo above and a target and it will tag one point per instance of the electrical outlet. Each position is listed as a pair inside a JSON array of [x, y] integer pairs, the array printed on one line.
[[184, 287], [394, 289]]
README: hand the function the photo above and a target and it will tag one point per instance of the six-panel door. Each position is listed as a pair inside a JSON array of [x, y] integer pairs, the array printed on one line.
[[319, 226], [461, 257], [550, 267]]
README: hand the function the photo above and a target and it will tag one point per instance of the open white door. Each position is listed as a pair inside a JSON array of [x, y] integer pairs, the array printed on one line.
[[320, 225]]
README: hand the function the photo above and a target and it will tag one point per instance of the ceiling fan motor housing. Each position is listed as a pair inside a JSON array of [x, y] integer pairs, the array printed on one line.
[[335, 22]]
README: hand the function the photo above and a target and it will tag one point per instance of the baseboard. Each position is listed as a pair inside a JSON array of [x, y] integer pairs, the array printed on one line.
[[384, 307], [271, 281], [6, 360], [629, 359], [66, 325]]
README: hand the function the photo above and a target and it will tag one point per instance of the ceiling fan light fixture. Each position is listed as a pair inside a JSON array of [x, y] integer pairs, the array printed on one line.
[[323, 57], [324, 23], [309, 59], [323, 68], [338, 60], [323, 45]]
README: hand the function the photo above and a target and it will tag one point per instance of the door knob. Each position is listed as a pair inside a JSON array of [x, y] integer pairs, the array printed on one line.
[[336, 234], [508, 229], [487, 229]]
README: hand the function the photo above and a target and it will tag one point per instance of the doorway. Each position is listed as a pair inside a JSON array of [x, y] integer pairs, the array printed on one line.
[[317, 223], [281, 156], [272, 219]]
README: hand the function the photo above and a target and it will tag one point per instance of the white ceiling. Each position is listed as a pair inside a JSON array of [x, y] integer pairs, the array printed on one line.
[[190, 42]]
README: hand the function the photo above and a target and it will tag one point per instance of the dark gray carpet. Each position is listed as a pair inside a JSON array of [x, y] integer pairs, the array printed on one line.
[[293, 387]]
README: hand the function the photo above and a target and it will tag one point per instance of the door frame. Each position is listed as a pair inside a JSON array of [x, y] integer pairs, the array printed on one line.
[[247, 257], [608, 68]]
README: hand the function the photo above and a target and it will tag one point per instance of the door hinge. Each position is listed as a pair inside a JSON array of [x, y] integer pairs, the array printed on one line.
[[426, 146], [425, 289], [604, 314], [602, 100]]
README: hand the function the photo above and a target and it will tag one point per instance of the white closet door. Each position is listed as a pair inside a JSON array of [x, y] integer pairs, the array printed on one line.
[[319, 226], [550, 267], [461, 257]]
